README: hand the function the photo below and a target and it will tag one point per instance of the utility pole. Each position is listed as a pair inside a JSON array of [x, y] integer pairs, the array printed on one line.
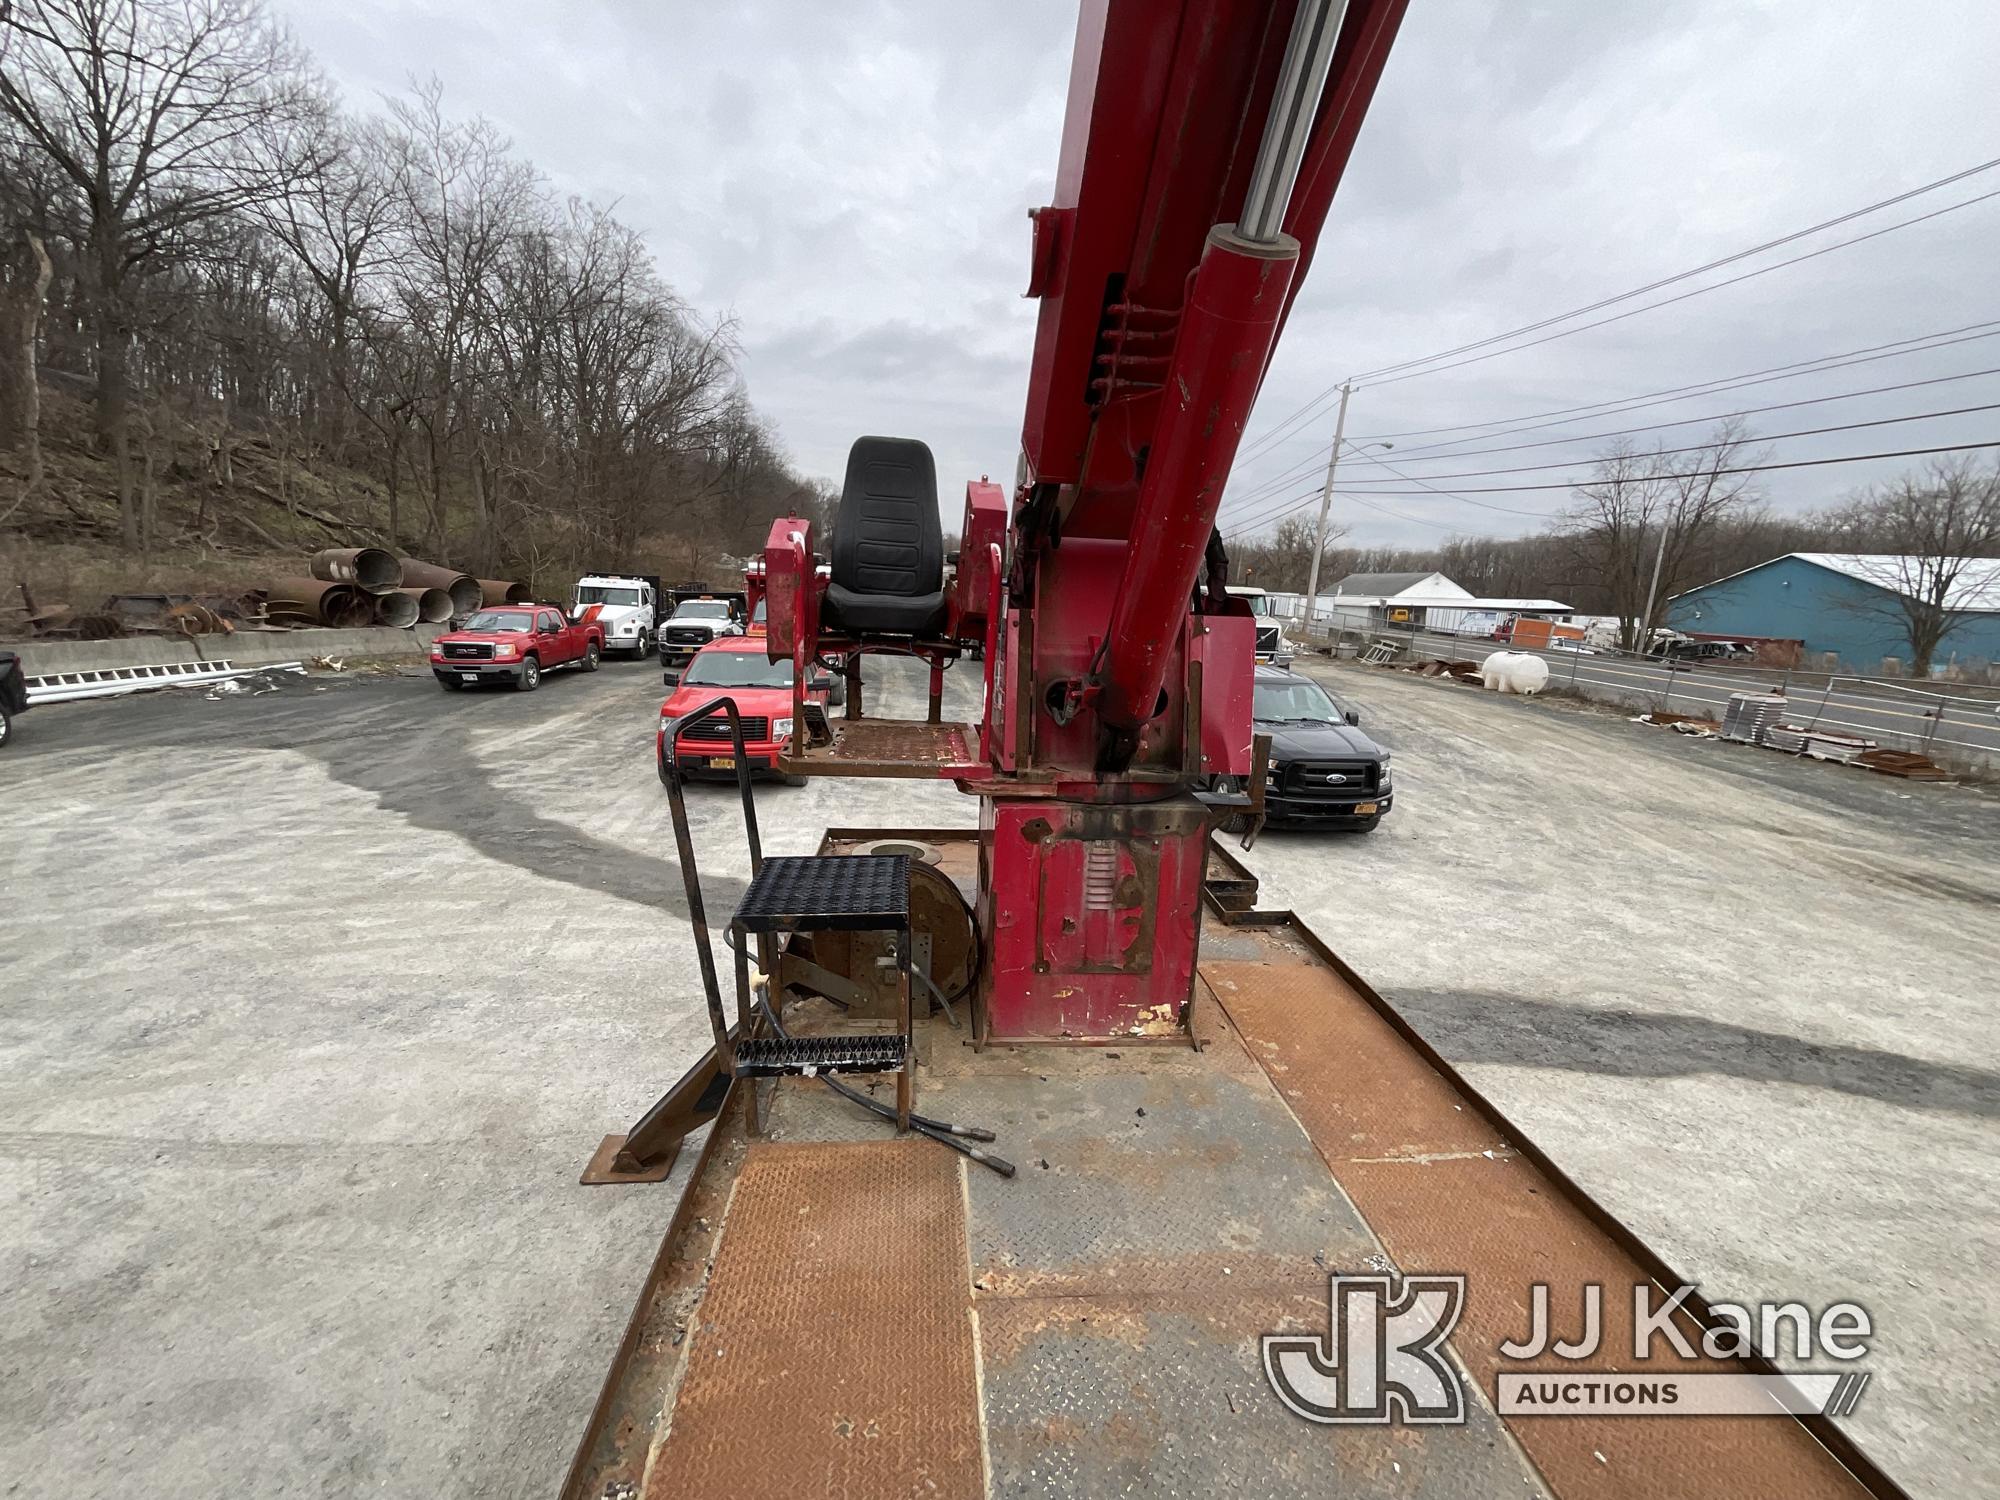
[[1326, 504], [1653, 588]]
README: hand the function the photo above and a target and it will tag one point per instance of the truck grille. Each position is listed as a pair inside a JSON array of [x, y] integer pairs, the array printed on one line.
[[686, 635], [755, 727], [468, 651], [1267, 639], [1311, 777]]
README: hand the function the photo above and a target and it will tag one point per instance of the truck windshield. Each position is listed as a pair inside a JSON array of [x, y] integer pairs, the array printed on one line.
[[1276, 701], [703, 609], [602, 593], [743, 669], [501, 620]]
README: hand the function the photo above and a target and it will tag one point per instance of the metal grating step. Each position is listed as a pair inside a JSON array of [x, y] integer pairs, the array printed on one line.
[[770, 1057], [827, 891]]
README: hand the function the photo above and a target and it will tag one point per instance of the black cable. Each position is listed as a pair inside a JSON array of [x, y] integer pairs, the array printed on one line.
[[1786, 239], [1714, 286], [1796, 463], [1276, 482], [1868, 354], [942, 1131], [1533, 421], [1767, 437]]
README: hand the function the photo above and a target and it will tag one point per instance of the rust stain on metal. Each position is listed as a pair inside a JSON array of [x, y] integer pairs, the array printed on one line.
[[833, 1351], [1411, 1153], [1300, 1021]]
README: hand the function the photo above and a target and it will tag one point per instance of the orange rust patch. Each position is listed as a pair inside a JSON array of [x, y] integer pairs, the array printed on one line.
[[833, 1352], [1353, 1082], [1374, 1107]]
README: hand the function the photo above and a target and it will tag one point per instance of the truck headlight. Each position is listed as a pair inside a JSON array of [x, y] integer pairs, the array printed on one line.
[[502, 652], [781, 729]]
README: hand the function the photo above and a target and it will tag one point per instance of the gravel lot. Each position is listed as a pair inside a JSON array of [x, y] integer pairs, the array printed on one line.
[[313, 1003]]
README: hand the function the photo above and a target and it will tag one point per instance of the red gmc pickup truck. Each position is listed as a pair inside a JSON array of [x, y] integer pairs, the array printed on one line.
[[514, 643], [733, 667]]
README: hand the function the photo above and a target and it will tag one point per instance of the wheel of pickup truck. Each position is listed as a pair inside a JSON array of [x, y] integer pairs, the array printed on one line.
[[6, 728], [590, 655], [1227, 786], [531, 675]]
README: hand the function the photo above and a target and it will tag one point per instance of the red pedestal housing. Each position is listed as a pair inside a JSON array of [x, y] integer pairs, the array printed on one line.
[[1090, 913]]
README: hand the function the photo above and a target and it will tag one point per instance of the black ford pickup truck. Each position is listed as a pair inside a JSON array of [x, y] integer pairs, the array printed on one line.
[[1323, 769]]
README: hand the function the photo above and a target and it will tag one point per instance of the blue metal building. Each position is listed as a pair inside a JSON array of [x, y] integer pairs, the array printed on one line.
[[1843, 603]]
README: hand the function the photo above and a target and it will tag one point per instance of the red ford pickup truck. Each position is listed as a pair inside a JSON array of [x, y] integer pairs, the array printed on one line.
[[733, 667], [514, 643]]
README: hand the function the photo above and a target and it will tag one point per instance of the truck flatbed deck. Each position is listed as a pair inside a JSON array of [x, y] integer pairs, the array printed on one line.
[[838, 1311]]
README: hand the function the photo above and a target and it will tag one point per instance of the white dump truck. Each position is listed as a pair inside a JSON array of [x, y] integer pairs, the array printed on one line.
[[628, 607]]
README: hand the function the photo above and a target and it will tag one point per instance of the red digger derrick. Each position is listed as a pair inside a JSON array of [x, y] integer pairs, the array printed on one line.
[[1221, 1114]]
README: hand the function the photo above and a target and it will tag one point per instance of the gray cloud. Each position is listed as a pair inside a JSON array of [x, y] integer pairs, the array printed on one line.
[[850, 182]]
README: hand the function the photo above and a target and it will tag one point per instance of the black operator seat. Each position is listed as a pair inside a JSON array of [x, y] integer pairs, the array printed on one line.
[[888, 545]]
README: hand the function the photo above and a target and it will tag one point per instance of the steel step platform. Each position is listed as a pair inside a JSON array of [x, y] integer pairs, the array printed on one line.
[[825, 892], [809, 1056]]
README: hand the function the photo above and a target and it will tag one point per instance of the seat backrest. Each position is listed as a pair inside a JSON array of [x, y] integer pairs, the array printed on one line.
[[887, 538]]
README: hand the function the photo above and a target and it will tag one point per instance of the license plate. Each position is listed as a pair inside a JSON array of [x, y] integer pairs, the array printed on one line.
[[1363, 809], [722, 763], [469, 676]]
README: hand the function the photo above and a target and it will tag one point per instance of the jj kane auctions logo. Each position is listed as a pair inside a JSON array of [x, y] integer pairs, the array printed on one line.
[[1383, 1358]]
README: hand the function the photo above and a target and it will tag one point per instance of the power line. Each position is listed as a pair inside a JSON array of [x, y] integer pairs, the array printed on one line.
[[1714, 265], [1794, 463], [1282, 480], [1722, 416], [1714, 286], [1533, 422], [1921, 343], [1289, 423], [1772, 437]]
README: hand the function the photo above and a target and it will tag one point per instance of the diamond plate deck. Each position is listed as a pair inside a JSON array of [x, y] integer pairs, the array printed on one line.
[[858, 891], [1180, 1182], [1444, 1192], [890, 747], [832, 1354], [1089, 1397]]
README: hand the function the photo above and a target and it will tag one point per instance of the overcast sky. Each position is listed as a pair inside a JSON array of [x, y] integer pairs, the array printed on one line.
[[851, 183]]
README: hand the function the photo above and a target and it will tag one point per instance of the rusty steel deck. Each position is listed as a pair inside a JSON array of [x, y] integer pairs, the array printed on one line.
[[837, 1312]]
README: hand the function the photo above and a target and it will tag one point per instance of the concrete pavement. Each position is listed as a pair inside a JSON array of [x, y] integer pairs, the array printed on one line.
[[312, 1005]]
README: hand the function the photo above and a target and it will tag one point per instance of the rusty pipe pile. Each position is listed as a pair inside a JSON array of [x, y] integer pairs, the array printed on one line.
[[315, 601], [505, 591], [433, 605], [466, 594], [396, 610], [369, 569]]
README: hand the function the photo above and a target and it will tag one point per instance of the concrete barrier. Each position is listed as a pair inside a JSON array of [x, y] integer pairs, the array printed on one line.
[[245, 648]]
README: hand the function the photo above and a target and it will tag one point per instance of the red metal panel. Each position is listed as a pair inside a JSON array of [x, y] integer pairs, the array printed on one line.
[[791, 589], [983, 528], [1226, 647], [1091, 914]]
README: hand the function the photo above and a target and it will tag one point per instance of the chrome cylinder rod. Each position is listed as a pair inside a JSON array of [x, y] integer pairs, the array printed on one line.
[[1294, 102]]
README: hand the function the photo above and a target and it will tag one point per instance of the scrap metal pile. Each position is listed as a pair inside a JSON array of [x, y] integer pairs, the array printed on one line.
[[1759, 719], [344, 588]]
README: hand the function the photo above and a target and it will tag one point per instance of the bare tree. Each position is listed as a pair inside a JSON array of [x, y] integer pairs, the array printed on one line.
[[1643, 518], [1283, 562], [150, 109], [1922, 534]]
